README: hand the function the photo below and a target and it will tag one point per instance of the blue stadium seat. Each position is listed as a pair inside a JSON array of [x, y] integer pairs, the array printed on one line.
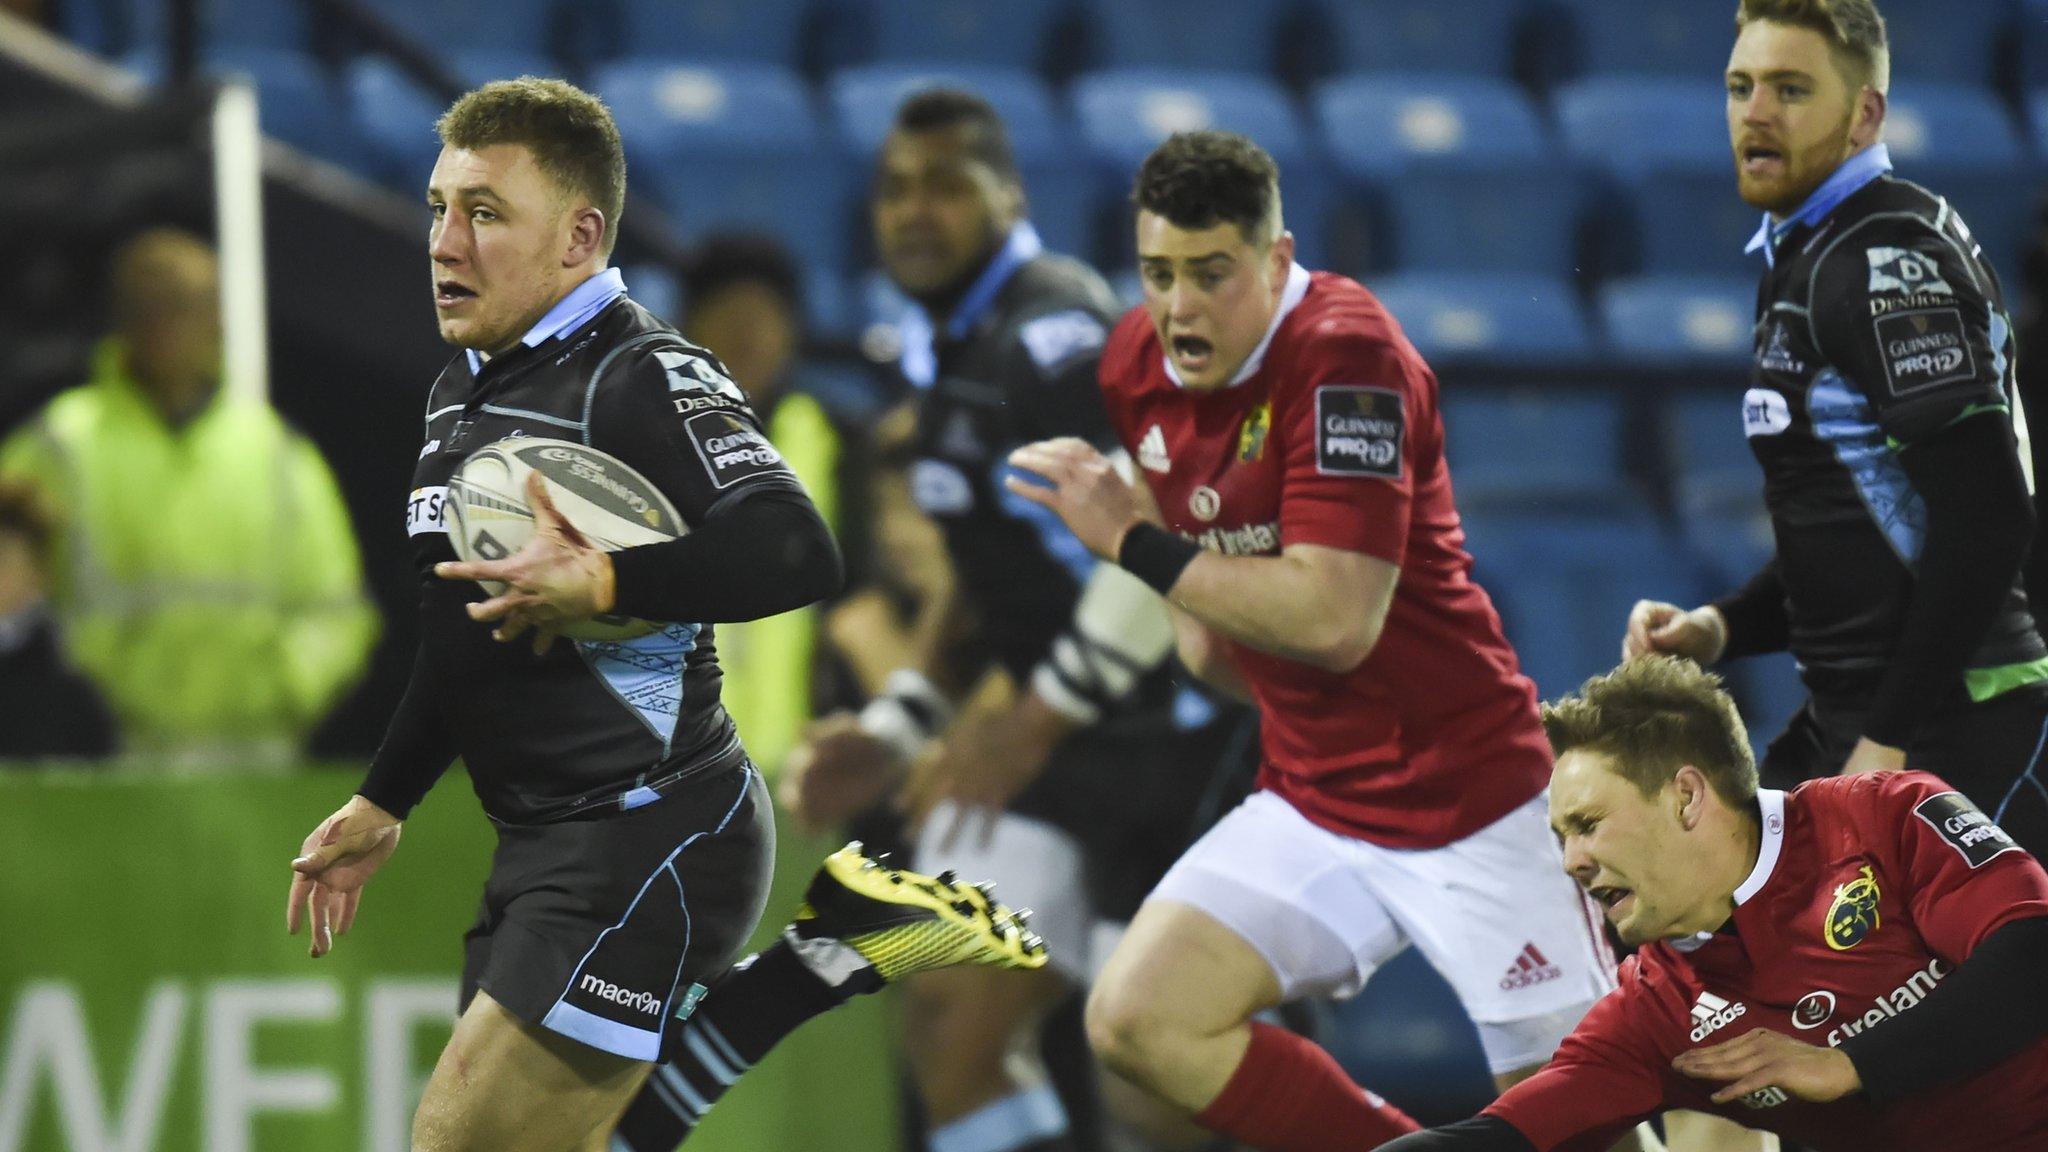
[[1067, 198], [124, 28], [1224, 35], [722, 31], [1682, 39], [397, 116], [1012, 34], [1714, 477], [1455, 219], [1124, 115], [1486, 316], [295, 101], [1961, 143], [1936, 40], [1631, 126], [1408, 1036], [1379, 125], [441, 26], [2033, 44], [1564, 584], [1940, 128], [1470, 36], [1681, 319], [2001, 212], [1526, 449], [1693, 223], [735, 146]]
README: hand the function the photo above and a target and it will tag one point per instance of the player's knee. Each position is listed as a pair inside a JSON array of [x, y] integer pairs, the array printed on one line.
[[1127, 1029]]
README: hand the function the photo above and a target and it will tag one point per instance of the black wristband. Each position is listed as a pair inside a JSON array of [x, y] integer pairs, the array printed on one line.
[[1156, 556]]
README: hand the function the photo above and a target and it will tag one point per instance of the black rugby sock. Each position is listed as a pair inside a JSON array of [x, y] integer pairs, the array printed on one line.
[[751, 1008]]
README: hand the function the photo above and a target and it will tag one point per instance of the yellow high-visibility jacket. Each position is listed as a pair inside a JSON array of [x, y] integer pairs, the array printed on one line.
[[206, 577], [767, 664]]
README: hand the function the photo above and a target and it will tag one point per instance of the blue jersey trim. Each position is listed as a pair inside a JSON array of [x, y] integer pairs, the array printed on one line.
[[1842, 420]]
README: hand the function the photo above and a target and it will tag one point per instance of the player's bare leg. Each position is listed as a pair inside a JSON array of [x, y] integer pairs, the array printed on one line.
[[971, 1034], [1141, 1120], [503, 1085], [1171, 1010]]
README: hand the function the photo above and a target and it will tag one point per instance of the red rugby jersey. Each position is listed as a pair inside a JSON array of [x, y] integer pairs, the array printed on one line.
[[1331, 436], [1868, 891]]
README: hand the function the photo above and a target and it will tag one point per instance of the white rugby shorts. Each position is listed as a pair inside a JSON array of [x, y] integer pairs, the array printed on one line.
[[1493, 913]]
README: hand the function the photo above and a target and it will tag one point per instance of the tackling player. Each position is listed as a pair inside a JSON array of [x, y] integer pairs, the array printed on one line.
[[1002, 350], [1297, 514], [1853, 964], [1879, 408], [634, 838]]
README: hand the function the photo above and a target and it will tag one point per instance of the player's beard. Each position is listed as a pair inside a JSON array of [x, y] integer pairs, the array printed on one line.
[[1805, 171]]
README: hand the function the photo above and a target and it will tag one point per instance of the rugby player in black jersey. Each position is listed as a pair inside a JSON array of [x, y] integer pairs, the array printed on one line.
[[1880, 409], [634, 839]]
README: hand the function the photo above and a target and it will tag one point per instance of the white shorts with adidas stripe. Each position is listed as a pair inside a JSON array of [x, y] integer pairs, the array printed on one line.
[[1494, 913]]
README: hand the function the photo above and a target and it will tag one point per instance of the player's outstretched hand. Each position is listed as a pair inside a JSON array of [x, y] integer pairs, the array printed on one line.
[[838, 771], [333, 865], [984, 762], [560, 576], [1082, 486], [1760, 1059], [1655, 627]]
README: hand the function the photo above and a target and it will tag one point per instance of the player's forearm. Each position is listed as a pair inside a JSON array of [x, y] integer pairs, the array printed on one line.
[[1757, 618], [1987, 1010], [1979, 523], [417, 749], [1279, 605], [770, 553], [1203, 654]]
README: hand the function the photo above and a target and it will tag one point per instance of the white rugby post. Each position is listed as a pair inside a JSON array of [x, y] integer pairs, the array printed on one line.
[[238, 220]]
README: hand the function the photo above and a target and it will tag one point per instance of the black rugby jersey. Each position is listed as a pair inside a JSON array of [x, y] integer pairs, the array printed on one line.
[[1879, 324], [590, 725], [1014, 364]]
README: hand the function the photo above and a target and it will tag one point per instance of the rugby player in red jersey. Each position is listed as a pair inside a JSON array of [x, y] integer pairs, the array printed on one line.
[[1297, 514], [1853, 964]]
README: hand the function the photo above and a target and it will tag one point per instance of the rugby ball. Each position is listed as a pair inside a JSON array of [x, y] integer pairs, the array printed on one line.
[[603, 497]]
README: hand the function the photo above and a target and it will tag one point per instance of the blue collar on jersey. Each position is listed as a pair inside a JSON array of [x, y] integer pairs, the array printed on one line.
[[919, 361], [1854, 173], [583, 301]]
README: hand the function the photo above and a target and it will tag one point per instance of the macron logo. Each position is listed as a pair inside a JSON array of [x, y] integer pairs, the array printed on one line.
[[1710, 1014], [646, 1002]]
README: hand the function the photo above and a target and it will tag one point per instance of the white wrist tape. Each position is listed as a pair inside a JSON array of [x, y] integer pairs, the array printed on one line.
[[909, 712], [1120, 632]]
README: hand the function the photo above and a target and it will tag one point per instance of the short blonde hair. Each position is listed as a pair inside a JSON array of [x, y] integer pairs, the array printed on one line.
[[1651, 717], [569, 131], [1854, 31]]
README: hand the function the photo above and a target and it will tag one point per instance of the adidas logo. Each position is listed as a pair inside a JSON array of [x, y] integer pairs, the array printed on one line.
[[1710, 1014], [1530, 968], [1152, 451]]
